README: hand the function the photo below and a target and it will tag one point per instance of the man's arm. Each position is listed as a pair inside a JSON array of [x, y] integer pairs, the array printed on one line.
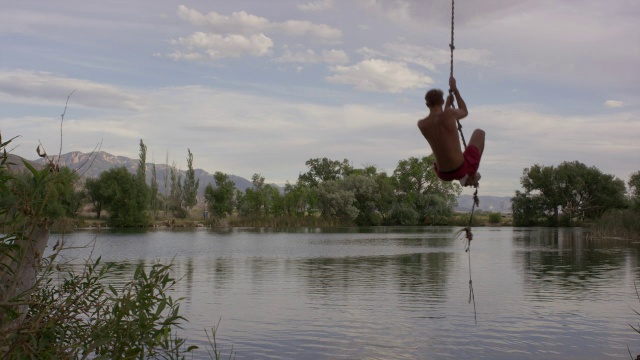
[[461, 112]]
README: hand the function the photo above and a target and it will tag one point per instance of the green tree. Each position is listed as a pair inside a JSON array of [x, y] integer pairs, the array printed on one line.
[[126, 200], [404, 213], [634, 189], [141, 174], [96, 195], [528, 209], [220, 198], [154, 194], [191, 184], [336, 201], [274, 200], [176, 196], [387, 196], [256, 198], [240, 202], [634, 184], [415, 175], [297, 199], [324, 170], [587, 192], [366, 198], [418, 187], [59, 197], [541, 182], [571, 189], [260, 200]]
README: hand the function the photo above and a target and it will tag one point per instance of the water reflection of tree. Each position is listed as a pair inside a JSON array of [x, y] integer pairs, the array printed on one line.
[[423, 277], [219, 272], [419, 277], [568, 259], [262, 269]]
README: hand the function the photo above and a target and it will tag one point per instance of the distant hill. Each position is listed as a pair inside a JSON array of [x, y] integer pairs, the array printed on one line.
[[487, 203], [14, 164], [92, 165]]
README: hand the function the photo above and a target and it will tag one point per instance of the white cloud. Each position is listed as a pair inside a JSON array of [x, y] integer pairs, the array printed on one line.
[[306, 28], [370, 53], [398, 11], [428, 57], [218, 46], [33, 85], [309, 56], [242, 34], [335, 56], [613, 104], [189, 56], [304, 57], [243, 23], [321, 5], [237, 22], [379, 76]]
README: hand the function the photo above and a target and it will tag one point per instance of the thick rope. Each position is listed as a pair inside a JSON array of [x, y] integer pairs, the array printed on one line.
[[452, 47], [469, 237], [451, 44], [476, 201]]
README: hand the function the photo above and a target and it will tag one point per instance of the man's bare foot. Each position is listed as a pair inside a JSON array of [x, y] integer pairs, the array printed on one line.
[[472, 180]]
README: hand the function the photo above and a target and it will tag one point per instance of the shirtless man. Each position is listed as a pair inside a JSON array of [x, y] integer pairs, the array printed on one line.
[[441, 131]]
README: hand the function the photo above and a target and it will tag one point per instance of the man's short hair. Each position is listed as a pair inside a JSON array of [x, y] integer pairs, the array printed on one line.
[[434, 97]]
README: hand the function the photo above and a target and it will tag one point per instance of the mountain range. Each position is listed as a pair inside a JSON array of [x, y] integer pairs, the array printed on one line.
[[93, 164]]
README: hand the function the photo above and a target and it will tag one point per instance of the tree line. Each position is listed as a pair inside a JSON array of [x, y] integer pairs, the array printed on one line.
[[411, 195], [331, 189]]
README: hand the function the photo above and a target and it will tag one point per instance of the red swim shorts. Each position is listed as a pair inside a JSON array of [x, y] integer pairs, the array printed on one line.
[[469, 166]]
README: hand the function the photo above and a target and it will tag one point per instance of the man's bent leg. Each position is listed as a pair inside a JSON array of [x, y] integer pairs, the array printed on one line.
[[477, 139]]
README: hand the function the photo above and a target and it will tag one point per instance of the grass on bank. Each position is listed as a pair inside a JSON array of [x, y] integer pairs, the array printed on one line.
[[618, 223], [88, 220]]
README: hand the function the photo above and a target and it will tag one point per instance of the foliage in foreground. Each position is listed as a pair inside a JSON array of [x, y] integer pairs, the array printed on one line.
[[82, 316], [78, 315]]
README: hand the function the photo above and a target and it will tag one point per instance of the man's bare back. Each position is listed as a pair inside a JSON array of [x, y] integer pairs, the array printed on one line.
[[440, 129], [441, 132]]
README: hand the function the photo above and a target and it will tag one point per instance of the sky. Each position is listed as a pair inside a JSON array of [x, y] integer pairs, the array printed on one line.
[[263, 86]]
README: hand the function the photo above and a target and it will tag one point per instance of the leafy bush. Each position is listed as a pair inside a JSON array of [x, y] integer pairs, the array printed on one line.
[[81, 315], [495, 218]]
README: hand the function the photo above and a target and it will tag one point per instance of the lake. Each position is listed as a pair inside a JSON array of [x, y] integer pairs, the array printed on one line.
[[392, 292]]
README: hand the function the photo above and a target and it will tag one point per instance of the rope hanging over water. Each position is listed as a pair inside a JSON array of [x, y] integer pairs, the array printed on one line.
[[476, 202], [452, 47]]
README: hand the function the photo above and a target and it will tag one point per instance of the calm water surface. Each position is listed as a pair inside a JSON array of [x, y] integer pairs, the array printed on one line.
[[393, 293]]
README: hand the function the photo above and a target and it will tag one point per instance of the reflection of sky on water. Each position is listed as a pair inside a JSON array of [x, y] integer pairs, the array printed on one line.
[[394, 292]]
